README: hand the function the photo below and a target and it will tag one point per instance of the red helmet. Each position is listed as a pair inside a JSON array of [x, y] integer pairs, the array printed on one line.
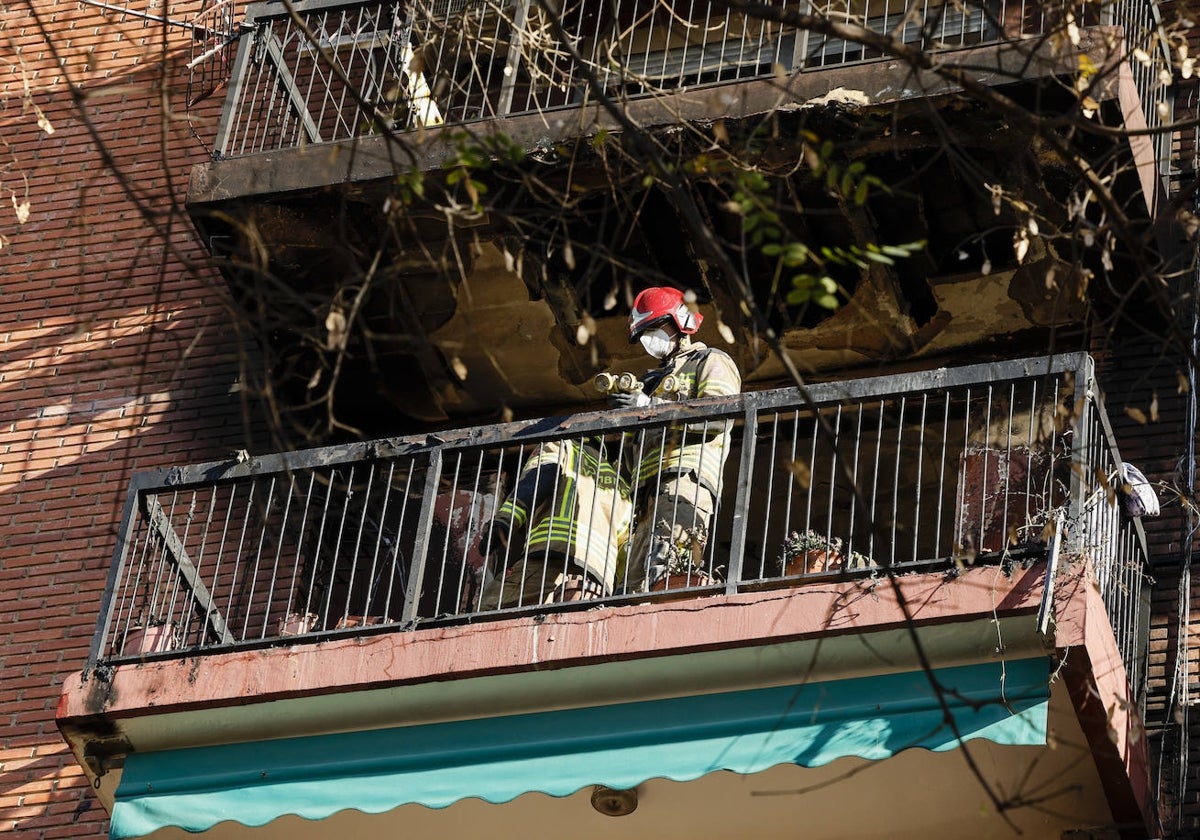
[[657, 304]]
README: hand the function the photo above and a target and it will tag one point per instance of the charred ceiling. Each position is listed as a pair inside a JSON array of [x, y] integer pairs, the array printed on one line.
[[501, 284]]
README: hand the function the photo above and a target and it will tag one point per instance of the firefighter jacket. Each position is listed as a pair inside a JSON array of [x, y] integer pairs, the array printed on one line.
[[570, 503], [700, 448]]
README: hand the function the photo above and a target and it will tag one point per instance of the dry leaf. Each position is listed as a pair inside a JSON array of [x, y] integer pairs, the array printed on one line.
[[725, 332], [1048, 531], [22, 210], [460, 369], [800, 472], [569, 255], [582, 335], [1021, 245], [1136, 414], [1154, 407], [43, 121], [1189, 222], [335, 325], [810, 157], [964, 555], [1182, 386], [1109, 491], [1073, 31]]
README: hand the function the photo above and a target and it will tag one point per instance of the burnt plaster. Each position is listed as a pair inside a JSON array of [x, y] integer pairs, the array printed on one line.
[[483, 316]]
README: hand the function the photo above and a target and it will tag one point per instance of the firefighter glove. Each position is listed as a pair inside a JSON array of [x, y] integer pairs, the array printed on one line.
[[623, 400]]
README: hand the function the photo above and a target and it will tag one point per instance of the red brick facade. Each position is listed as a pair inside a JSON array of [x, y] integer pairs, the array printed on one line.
[[1134, 374], [117, 355], [116, 352]]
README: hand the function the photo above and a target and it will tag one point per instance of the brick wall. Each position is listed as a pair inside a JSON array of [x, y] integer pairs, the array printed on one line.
[[116, 353], [1135, 372]]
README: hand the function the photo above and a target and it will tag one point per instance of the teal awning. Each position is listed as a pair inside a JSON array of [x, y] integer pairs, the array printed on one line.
[[560, 752]]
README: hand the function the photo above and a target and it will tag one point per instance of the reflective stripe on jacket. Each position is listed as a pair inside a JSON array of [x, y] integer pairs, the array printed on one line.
[[576, 505], [700, 447]]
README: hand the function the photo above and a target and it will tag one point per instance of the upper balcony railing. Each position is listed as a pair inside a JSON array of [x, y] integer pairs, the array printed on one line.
[[318, 71], [915, 472]]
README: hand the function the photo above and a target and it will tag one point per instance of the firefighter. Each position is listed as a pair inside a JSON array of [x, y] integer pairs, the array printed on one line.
[[558, 535], [680, 468]]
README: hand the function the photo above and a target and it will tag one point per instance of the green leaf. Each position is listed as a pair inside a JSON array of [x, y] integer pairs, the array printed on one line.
[[831, 176], [796, 254], [826, 301], [852, 171], [802, 288], [861, 191], [905, 250]]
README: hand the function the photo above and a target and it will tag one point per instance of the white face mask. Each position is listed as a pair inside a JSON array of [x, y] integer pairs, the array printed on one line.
[[658, 343]]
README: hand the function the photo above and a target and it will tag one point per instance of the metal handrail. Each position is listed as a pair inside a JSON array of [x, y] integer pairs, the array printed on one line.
[[900, 473], [320, 71]]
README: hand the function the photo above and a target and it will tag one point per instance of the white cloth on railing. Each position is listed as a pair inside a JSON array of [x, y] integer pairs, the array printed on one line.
[[1137, 493]]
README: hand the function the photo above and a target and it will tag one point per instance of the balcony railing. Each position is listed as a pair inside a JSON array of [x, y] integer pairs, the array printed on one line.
[[916, 472], [316, 71]]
